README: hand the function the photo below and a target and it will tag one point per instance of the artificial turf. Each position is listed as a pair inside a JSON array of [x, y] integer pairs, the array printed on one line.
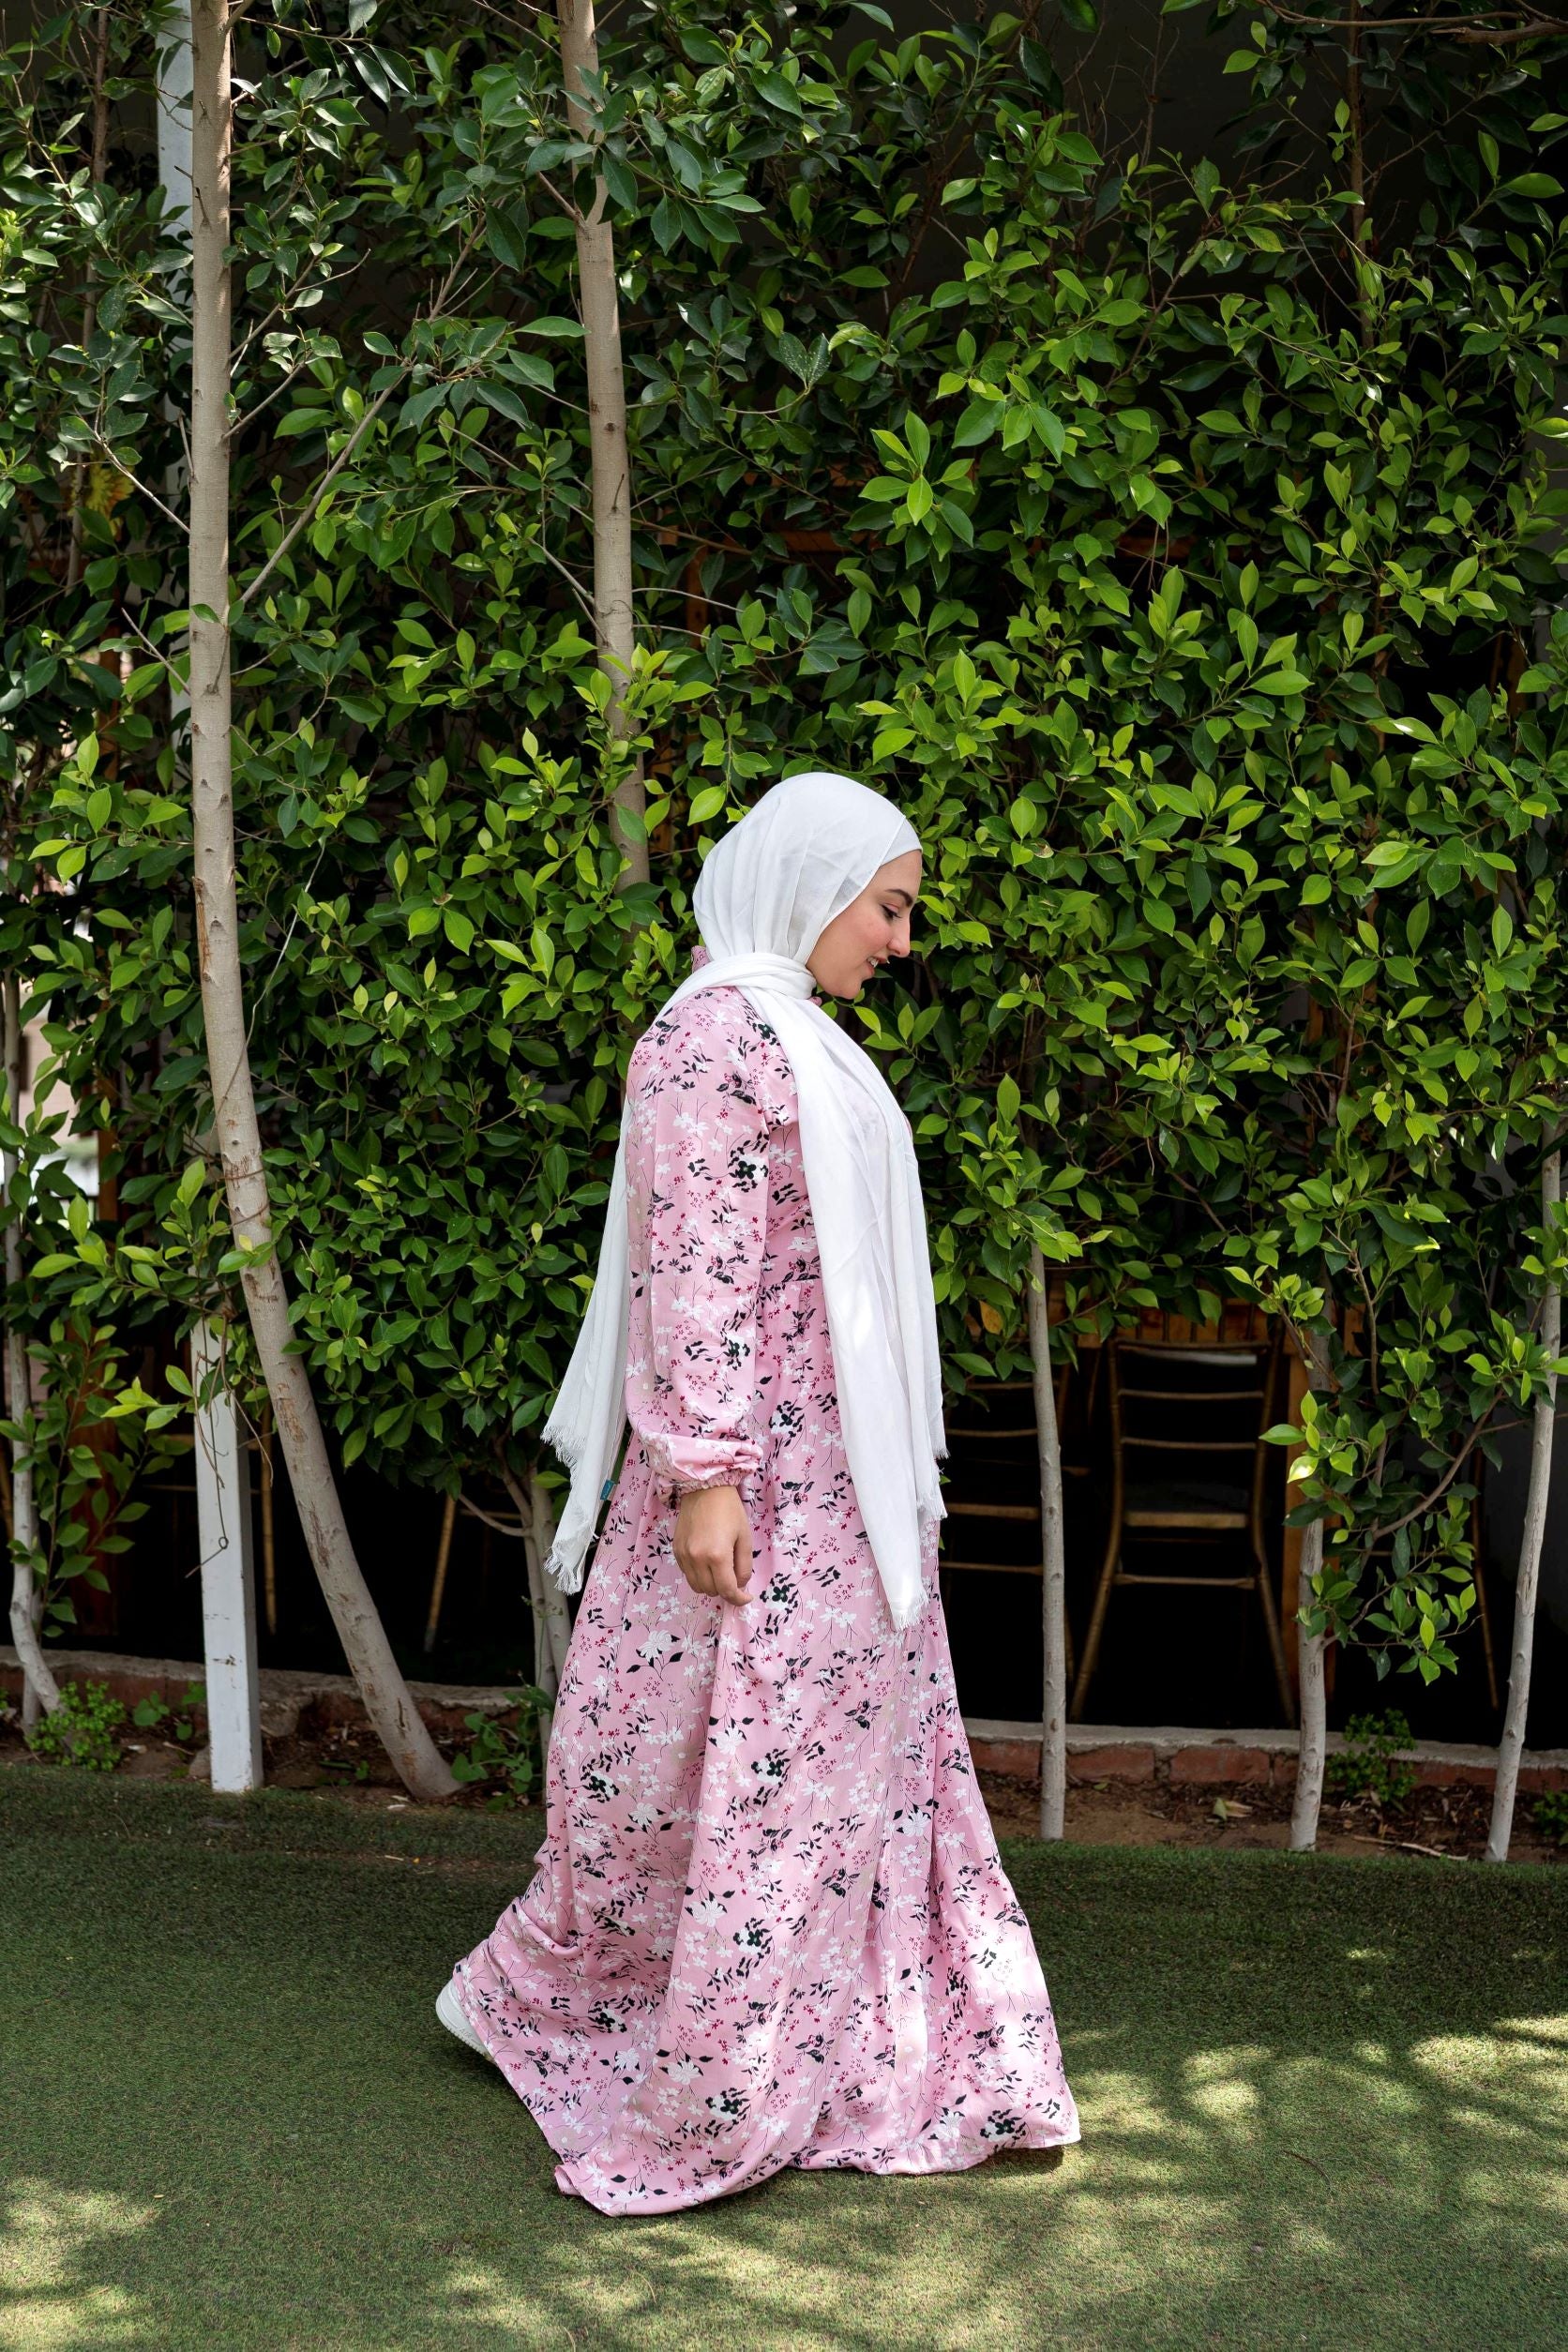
[[1326, 2103]]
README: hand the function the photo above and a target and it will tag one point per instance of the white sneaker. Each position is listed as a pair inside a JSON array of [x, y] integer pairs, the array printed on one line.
[[450, 2010]]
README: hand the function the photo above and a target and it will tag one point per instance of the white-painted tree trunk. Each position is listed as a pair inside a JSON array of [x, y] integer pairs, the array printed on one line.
[[546, 1678], [1053, 1581], [558, 1618], [173, 108], [1313, 1754], [228, 1578], [40, 1691], [391, 1710], [214, 1421], [1527, 1589], [610, 457], [551, 1618], [1311, 1650]]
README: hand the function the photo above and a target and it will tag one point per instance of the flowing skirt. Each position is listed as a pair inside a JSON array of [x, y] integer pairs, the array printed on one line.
[[768, 1924]]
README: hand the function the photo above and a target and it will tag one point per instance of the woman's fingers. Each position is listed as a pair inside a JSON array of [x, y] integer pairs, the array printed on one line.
[[691, 1568], [713, 1543], [729, 1575], [742, 1557]]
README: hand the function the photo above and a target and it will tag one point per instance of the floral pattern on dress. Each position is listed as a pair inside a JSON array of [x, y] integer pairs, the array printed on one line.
[[768, 1924]]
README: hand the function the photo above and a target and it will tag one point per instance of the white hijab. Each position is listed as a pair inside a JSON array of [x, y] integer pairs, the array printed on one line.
[[766, 893]]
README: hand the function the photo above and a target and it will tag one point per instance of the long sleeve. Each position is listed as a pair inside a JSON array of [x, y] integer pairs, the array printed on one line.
[[704, 1092]]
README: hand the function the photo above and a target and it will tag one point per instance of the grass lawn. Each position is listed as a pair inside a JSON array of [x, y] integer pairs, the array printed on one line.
[[1324, 2104]]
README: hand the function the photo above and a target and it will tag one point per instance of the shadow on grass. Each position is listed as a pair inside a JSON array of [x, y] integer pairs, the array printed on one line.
[[1326, 2103]]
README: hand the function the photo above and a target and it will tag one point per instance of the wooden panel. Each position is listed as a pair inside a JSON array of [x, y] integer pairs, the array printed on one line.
[[1204, 1584], [1175, 1517], [1191, 1445], [992, 1511], [994, 1567]]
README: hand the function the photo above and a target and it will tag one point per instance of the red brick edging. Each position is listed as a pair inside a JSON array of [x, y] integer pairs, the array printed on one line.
[[1217, 1760], [292, 1701]]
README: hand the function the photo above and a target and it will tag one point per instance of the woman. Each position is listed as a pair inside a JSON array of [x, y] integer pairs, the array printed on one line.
[[768, 1924]]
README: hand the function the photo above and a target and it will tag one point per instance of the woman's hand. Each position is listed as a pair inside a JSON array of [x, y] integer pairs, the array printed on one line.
[[712, 1543]]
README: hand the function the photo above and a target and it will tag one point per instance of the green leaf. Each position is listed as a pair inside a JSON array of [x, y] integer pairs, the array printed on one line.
[[421, 406], [507, 234], [774, 89], [304, 420], [977, 424], [499, 397]]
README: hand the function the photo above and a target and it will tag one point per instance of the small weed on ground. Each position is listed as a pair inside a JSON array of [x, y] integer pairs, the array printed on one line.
[[508, 1754], [1370, 1763], [1551, 1814], [82, 1729], [183, 1722]]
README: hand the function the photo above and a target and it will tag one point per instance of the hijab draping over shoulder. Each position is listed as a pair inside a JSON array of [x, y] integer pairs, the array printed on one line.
[[766, 893]]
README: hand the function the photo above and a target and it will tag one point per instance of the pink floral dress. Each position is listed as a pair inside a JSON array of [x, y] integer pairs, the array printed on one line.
[[768, 1924]]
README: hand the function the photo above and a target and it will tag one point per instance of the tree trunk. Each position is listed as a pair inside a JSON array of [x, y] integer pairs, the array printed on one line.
[[610, 457], [558, 1618], [1053, 1581], [1355, 165], [1312, 1755], [359, 1628], [1511, 1745], [552, 1624], [545, 1676], [40, 1692], [99, 167]]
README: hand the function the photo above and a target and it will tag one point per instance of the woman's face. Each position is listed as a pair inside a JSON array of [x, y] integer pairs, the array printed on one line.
[[871, 927]]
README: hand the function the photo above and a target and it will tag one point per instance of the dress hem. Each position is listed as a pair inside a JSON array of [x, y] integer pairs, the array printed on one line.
[[895, 2169]]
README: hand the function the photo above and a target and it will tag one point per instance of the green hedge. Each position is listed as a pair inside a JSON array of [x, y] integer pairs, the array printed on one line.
[[1182, 554]]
